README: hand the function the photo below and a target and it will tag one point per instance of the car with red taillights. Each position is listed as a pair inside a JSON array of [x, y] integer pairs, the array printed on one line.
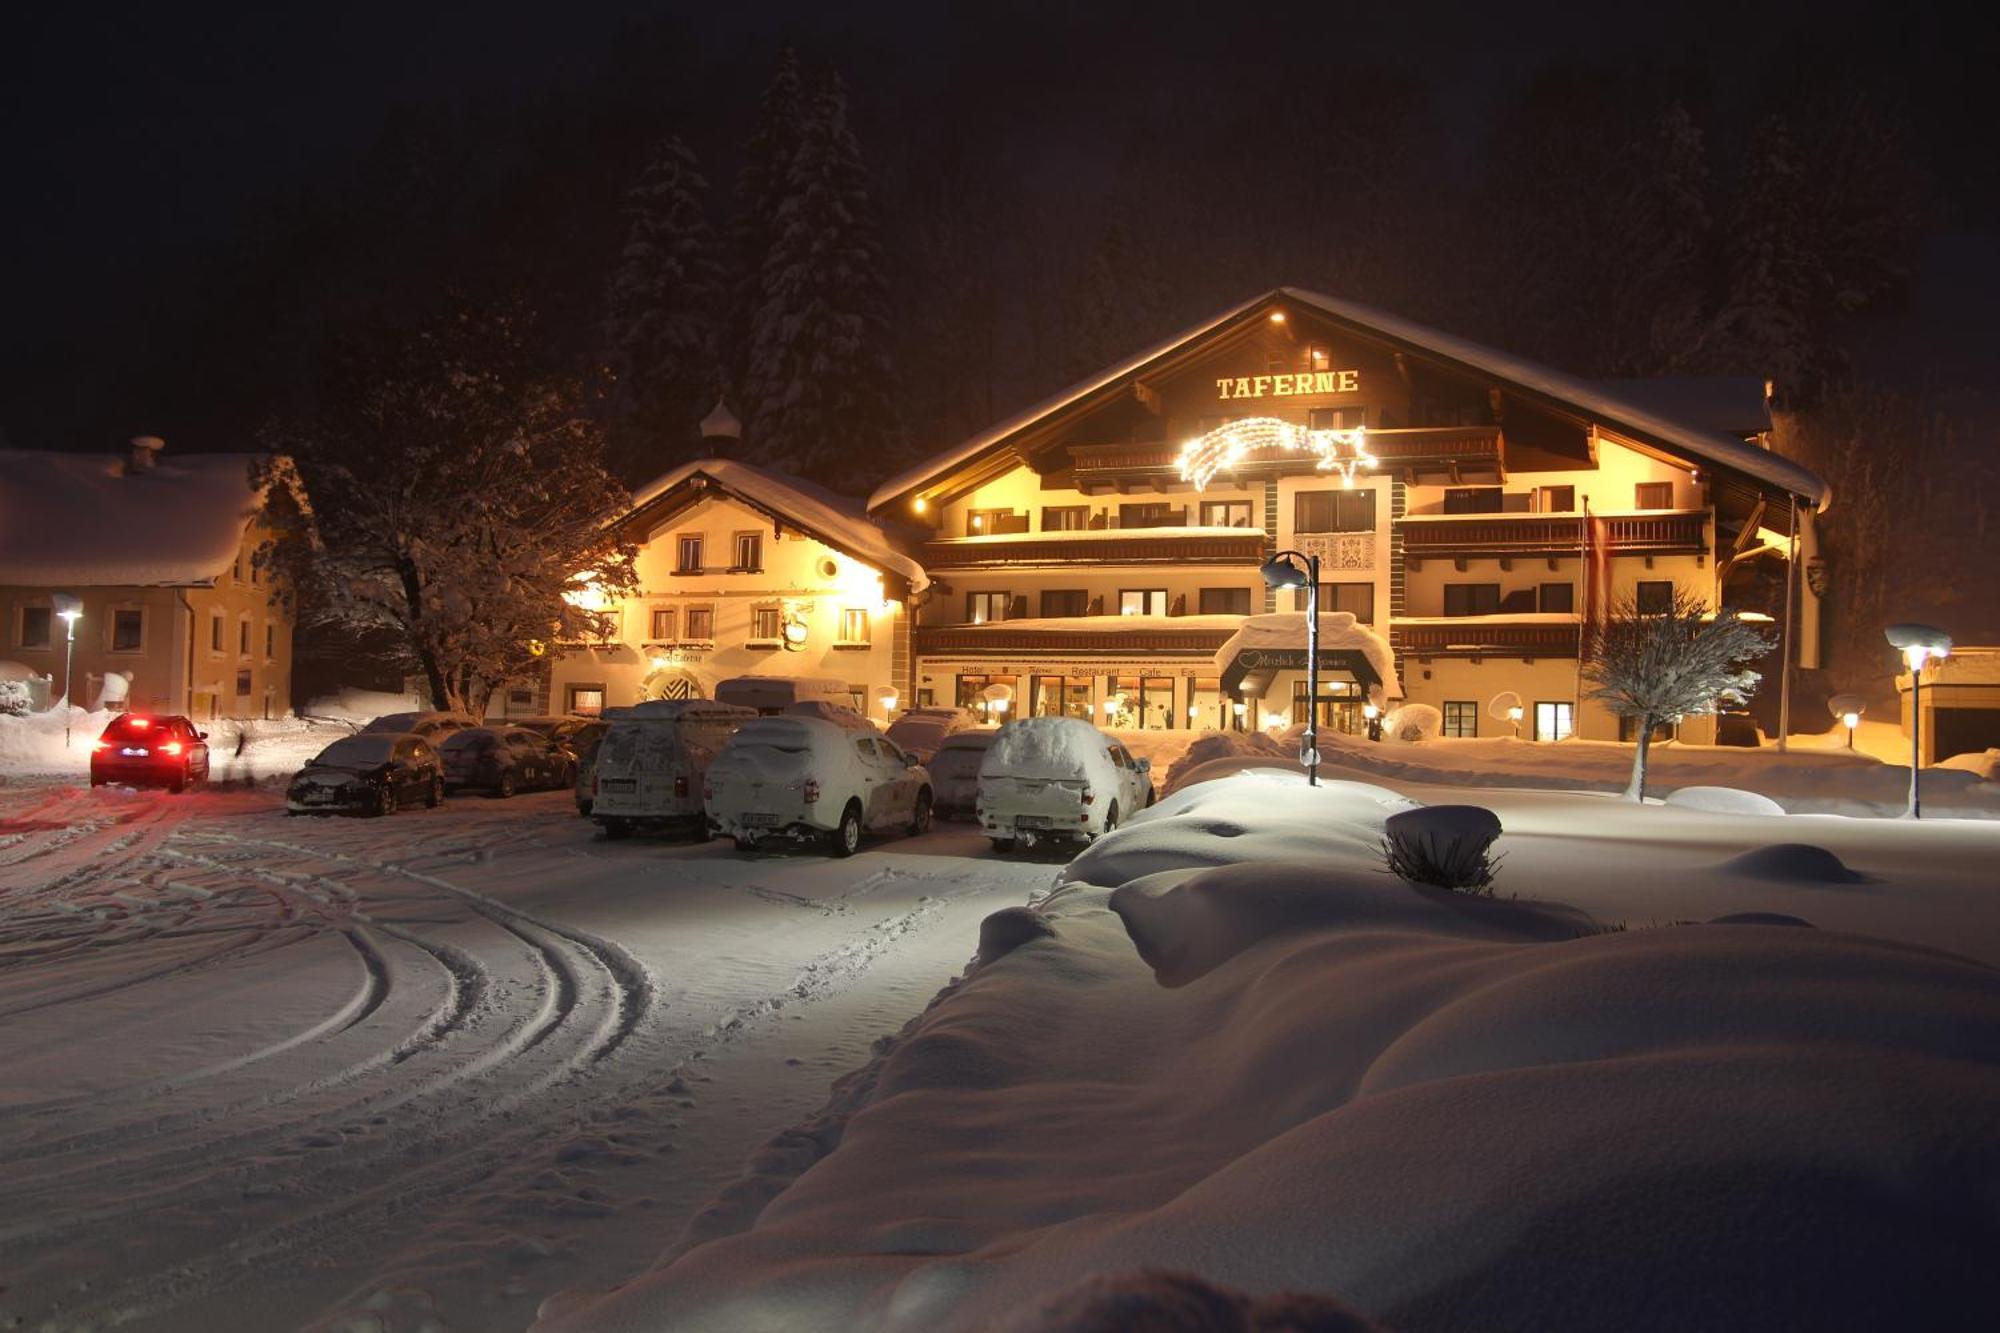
[[148, 750]]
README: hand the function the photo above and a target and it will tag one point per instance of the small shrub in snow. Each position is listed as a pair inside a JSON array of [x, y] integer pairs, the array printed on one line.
[[1414, 722], [1445, 846], [13, 698]]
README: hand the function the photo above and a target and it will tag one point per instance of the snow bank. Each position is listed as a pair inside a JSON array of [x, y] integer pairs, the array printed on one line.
[[252, 749], [1210, 755], [361, 706], [1724, 801], [1298, 1075], [1795, 863]]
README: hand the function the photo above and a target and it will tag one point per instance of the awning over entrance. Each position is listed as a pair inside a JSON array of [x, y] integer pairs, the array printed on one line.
[[1250, 671], [1268, 644]]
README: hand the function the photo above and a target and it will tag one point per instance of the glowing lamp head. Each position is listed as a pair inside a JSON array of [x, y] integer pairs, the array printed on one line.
[[1514, 713], [1852, 720], [1239, 708], [920, 504], [1277, 316], [1282, 572], [1370, 711], [67, 606], [1918, 643]]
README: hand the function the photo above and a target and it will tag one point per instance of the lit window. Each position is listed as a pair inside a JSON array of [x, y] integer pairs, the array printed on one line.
[[854, 625], [586, 700], [1142, 602], [688, 552], [984, 607], [749, 551], [1334, 511]]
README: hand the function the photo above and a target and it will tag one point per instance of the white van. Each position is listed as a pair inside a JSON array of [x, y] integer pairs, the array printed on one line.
[[806, 779], [650, 764], [1057, 778], [771, 695]]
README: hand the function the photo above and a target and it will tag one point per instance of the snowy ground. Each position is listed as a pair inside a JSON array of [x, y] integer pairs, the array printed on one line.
[[264, 1069]]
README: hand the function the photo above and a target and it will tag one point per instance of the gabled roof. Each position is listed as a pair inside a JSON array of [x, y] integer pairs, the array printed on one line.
[[1605, 406], [835, 520], [92, 521]]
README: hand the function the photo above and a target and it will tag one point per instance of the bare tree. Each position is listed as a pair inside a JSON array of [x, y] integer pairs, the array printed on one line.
[[1660, 667]]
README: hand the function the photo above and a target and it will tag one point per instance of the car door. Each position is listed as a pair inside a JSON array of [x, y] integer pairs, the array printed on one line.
[[424, 767], [876, 793], [197, 749], [901, 779], [530, 768], [402, 770]]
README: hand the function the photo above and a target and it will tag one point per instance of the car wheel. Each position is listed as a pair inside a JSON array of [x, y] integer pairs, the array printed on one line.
[[583, 809], [615, 829], [385, 800], [847, 838], [435, 797], [745, 845], [1110, 819], [920, 819], [178, 784], [1003, 845], [506, 787]]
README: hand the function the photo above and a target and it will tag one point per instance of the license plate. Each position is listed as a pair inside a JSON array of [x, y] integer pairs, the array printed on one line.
[[320, 798], [618, 784], [132, 753], [760, 821], [1032, 821]]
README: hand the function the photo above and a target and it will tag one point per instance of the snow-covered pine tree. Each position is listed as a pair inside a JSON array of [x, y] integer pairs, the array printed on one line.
[[818, 389], [458, 496], [1660, 667], [760, 185], [662, 309]]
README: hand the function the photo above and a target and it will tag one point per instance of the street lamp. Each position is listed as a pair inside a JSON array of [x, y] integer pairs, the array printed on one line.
[[1514, 716], [1283, 570], [1918, 644], [70, 609], [1847, 709], [1374, 716]]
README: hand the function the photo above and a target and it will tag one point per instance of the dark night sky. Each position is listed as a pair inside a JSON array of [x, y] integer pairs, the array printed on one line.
[[137, 139]]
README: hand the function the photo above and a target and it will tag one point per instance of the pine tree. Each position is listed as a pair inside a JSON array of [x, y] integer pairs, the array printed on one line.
[[760, 187], [662, 309], [818, 388], [1656, 668]]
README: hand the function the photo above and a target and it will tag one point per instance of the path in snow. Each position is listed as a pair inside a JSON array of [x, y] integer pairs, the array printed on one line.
[[267, 1069]]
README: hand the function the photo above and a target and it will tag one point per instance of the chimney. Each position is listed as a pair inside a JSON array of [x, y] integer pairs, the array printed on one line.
[[145, 452]]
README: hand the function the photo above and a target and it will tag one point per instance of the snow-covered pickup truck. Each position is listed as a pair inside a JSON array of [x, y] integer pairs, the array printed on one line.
[[1057, 778], [812, 779]]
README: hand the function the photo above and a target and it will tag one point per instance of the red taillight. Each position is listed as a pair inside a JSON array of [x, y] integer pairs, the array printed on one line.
[[138, 723], [1088, 796], [812, 790], [171, 747], [680, 788]]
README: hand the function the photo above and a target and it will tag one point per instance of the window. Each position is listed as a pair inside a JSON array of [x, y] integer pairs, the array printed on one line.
[[1139, 701], [1340, 705], [990, 522], [1318, 357], [1557, 597], [1334, 511], [664, 624], [1555, 499], [1142, 602], [1337, 418], [1471, 599], [853, 625], [215, 634], [1225, 601], [1461, 717], [688, 553], [586, 700], [972, 694], [243, 684], [700, 623], [1654, 495], [766, 623], [1553, 720], [1225, 513], [984, 607], [270, 640], [1065, 518], [1061, 602], [520, 696], [1356, 598], [1472, 500], [749, 551], [1061, 696], [1151, 514], [1628, 730], [35, 626], [128, 631], [1655, 597], [243, 638]]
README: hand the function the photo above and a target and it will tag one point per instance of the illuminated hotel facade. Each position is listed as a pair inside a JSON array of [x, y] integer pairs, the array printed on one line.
[[1469, 507]]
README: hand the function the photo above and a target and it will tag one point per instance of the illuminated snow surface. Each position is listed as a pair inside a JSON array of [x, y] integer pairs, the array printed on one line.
[[464, 1065]]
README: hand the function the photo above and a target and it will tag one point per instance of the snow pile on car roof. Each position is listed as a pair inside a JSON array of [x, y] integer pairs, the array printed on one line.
[[1051, 748], [1302, 1074]]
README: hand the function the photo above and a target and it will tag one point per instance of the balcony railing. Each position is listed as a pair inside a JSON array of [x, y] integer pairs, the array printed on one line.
[[1124, 547], [1484, 638], [1474, 448], [1555, 534], [1001, 639]]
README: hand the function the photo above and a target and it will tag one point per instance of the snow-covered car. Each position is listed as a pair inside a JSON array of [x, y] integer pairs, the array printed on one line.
[[432, 726], [922, 730], [771, 695], [504, 760], [954, 771], [572, 733], [1057, 778], [143, 750], [373, 773], [649, 769], [807, 779]]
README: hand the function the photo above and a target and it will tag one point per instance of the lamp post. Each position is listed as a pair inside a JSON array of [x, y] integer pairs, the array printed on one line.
[[1847, 709], [1283, 570], [1374, 717], [1918, 644], [70, 609]]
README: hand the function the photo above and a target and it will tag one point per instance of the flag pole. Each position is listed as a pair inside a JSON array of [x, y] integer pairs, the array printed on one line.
[[1583, 620]]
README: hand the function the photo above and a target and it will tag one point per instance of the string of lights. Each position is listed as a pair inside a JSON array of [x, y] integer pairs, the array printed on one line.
[[1342, 451]]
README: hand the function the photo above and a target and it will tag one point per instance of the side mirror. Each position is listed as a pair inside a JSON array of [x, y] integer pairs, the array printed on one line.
[[1145, 765], [909, 761], [201, 735]]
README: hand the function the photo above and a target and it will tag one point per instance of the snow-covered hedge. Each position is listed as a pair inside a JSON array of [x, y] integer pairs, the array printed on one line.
[[1413, 722]]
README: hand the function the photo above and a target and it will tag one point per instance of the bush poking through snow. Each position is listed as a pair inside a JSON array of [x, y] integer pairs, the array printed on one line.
[[1444, 846], [14, 698], [1414, 722]]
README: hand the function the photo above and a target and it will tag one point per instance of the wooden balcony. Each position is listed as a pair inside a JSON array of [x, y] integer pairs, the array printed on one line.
[[1481, 637], [1121, 547], [1451, 449], [1681, 533], [1001, 639]]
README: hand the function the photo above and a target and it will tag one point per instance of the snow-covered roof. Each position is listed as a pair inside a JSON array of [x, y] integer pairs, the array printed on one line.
[[837, 520], [1338, 631], [1614, 408], [91, 521]]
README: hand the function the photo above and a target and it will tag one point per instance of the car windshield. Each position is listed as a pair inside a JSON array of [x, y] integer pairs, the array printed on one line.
[[362, 751]]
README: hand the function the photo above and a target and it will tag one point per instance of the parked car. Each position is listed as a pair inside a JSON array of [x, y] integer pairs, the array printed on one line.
[[954, 773], [571, 732], [649, 768], [372, 773], [584, 789], [145, 750], [771, 695], [1057, 778], [504, 760], [922, 730], [432, 726], [806, 779]]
